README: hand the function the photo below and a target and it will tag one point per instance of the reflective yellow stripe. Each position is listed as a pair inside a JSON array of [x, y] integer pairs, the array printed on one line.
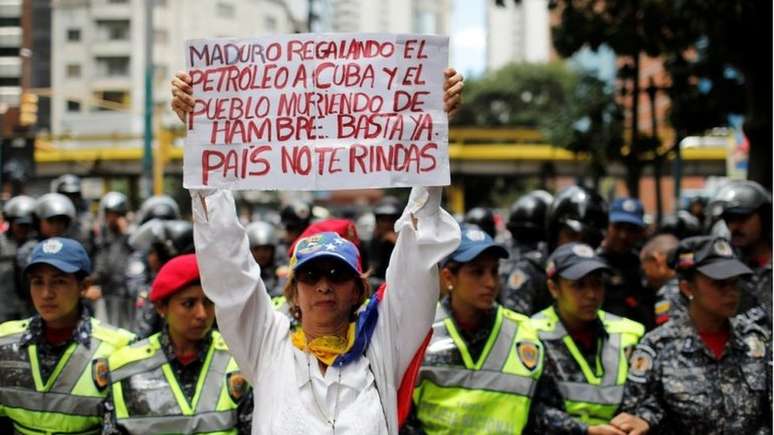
[[463, 348], [118, 401], [34, 365]]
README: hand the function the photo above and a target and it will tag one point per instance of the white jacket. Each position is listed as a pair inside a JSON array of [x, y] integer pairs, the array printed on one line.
[[258, 336]]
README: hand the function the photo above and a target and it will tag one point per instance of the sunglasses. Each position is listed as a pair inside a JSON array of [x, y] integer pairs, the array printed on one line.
[[334, 274]]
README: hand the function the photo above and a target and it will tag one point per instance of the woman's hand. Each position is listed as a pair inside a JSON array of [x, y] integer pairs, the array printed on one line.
[[182, 95], [631, 424], [452, 86], [604, 429]]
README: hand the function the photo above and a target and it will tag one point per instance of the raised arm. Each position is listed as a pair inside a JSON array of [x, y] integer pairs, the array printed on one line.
[[426, 235], [232, 280]]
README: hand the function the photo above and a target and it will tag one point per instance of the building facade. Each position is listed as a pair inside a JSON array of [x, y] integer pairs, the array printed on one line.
[[517, 33]]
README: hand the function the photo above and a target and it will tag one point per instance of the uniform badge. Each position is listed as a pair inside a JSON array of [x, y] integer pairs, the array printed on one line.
[[629, 206], [52, 246], [529, 354], [517, 279], [662, 307], [100, 373], [237, 385], [722, 248], [475, 235], [639, 364], [584, 251], [755, 347]]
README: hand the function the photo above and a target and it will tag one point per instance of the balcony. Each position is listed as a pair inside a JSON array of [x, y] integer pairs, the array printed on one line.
[[10, 67], [10, 36], [10, 8]]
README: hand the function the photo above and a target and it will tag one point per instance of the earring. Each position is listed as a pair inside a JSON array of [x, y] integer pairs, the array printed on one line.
[[690, 297], [449, 287]]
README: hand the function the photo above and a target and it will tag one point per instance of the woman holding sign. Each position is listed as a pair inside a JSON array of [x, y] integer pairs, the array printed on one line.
[[340, 371]]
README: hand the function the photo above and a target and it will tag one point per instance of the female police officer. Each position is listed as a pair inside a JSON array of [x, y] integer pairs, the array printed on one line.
[[585, 348], [707, 372], [182, 379], [484, 360], [52, 363]]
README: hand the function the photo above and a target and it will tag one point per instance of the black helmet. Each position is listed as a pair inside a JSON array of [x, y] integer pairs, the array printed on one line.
[[582, 210], [739, 197], [159, 207], [483, 218], [296, 215], [169, 238], [262, 234], [115, 202], [67, 184], [527, 216], [388, 206], [681, 225], [20, 209], [54, 204]]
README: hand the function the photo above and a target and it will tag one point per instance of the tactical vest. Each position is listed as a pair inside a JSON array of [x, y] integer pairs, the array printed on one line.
[[67, 402], [596, 400], [491, 395], [155, 403]]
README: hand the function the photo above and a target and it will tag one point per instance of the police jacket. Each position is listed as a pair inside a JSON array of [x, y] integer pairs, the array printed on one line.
[[46, 390], [678, 386], [488, 391], [578, 388]]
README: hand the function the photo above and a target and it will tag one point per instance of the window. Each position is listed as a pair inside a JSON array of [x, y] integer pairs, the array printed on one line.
[[109, 100], [73, 106], [118, 2], [73, 35], [113, 30], [224, 10], [73, 71], [112, 66]]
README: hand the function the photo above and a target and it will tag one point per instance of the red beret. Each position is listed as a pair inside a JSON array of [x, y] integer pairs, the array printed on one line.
[[174, 276], [343, 227]]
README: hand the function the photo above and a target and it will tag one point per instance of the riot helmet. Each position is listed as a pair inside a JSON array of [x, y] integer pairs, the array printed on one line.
[[54, 204], [581, 210], [20, 209], [161, 207], [527, 218], [483, 218], [262, 234], [169, 238], [67, 184], [682, 225], [115, 202]]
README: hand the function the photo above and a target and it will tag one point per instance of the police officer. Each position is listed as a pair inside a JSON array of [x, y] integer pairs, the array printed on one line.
[[182, 379], [681, 225], [745, 207], [662, 279], [523, 275], [483, 218], [81, 227], [19, 213], [162, 207], [383, 238], [295, 217], [54, 213], [53, 363], [154, 243], [624, 292], [110, 259], [586, 349], [577, 214], [483, 360], [707, 372], [263, 239]]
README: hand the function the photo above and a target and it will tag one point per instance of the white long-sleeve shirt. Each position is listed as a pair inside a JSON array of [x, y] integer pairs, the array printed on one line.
[[291, 394]]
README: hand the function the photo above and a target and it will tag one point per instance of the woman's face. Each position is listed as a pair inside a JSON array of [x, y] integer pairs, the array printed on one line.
[[326, 293], [189, 313], [719, 298], [476, 283], [579, 300], [55, 294]]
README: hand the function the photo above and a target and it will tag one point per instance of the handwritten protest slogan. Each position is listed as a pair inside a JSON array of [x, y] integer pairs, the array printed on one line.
[[317, 112]]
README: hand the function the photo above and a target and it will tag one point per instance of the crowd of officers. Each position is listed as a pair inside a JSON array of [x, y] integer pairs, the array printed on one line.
[[575, 316]]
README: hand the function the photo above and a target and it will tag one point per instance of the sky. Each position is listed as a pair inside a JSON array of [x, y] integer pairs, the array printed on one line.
[[468, 36]]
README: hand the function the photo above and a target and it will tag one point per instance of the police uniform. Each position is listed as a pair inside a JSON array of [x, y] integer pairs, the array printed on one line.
[[580, 386], [523, 280], [678, 386], [110, 260], [670, 302], [50, 388], [152, 391]]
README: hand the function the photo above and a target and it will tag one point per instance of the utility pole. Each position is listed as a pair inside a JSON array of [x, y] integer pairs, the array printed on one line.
[[651, 90], [146, 181]]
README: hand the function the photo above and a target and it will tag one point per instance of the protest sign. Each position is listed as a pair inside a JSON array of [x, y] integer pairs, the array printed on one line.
[[317, 112]]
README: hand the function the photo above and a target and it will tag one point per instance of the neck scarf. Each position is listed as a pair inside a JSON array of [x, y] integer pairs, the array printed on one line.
[[326, 348]]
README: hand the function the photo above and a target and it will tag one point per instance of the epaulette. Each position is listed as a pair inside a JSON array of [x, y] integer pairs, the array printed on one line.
[[134, 352], [117, 337], [13, 327]]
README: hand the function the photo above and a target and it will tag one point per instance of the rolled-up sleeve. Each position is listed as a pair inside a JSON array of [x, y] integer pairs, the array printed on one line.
[[426, 235], [232, 280]]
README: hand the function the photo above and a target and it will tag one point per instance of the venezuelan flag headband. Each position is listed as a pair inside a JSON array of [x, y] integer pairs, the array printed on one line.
[[333, 350]]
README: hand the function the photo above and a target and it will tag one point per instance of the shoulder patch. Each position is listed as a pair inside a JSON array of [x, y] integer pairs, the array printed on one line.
[[517, 279], [100, 373], [755, 346], [237, 385], [529, 354], [640, 363], [662, 307]]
